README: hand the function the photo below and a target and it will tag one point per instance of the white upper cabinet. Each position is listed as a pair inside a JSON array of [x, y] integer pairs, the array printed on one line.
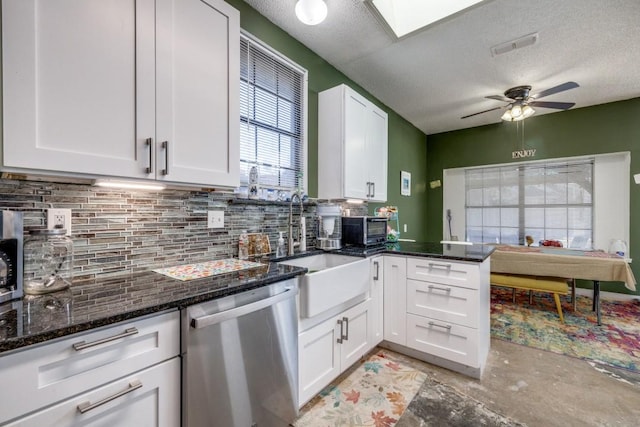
[[352, 146], [137, 89]]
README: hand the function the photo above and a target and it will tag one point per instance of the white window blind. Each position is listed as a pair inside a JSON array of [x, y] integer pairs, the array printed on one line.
[[272, 100], [543, 200]]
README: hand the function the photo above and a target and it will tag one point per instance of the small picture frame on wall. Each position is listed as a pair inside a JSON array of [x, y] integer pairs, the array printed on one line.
[[405, 183]]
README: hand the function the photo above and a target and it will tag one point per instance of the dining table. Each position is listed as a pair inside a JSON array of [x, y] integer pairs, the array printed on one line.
[[592, 265]]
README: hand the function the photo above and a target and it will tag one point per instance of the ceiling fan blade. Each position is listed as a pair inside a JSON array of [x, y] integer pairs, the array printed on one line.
[[555, 89], [499, 98], [556, 105], [481, 112]]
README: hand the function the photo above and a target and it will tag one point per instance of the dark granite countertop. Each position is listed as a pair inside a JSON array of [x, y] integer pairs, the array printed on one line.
[[104, 301], [99, 302]]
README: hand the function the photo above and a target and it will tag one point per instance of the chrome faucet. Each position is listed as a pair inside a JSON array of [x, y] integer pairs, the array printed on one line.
[[301, 240]]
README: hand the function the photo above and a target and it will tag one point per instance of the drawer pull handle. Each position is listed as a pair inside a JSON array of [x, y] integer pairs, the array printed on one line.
[[82, 345], [377, 276], [339, 340], [437, 288], [87, 406], [434, 265], [447, 327]]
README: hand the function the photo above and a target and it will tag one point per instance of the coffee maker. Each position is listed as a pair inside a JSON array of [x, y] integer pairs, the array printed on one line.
[[11, 244]]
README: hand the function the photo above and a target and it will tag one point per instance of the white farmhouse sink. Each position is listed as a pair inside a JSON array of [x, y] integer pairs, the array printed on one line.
[[332, 279]]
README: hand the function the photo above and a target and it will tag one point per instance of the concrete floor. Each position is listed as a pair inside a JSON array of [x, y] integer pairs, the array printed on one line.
[[525, 386]]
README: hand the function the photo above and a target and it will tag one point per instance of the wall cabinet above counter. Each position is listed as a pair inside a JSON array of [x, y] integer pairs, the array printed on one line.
[[129, 89], [352, 146]]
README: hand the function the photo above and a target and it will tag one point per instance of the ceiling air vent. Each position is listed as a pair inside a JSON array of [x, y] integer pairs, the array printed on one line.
[[518, 43]]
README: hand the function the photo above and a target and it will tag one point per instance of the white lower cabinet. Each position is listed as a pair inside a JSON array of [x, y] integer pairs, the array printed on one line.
[[438, 310], [150, 397], [377, 299], [328, 349], [90, 367], [395, 299]]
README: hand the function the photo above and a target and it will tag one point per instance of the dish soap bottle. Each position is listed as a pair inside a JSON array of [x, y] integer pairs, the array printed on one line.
[[243, 245], [281, 250]]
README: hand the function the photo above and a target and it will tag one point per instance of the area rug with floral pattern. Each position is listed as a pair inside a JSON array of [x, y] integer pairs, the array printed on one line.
[[615, 343], [375, 394]]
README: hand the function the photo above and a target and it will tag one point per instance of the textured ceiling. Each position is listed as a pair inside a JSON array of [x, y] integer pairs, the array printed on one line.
[[439, 74]]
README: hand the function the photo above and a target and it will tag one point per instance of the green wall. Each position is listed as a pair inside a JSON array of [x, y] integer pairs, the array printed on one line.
[[606, 128], [407, 144]]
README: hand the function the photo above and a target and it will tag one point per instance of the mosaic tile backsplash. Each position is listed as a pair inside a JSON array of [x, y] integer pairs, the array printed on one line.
[[122, 231]]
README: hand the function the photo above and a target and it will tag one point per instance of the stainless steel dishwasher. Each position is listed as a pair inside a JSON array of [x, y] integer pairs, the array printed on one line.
[[240, 359]]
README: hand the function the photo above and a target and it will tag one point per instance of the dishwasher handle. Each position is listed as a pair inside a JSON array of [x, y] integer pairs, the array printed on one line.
[[212, 319]]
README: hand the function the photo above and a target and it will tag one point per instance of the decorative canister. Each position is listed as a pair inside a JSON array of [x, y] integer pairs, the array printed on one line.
[[48, 261]]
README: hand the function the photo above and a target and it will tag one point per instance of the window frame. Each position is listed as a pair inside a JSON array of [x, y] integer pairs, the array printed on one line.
[[304, 155]]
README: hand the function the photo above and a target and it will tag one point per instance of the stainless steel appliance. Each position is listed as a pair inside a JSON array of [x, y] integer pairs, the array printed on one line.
[[240, 359], [11, 244], [364, 230]]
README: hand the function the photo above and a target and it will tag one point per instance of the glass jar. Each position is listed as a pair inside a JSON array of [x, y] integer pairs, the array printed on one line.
[[48, 261]]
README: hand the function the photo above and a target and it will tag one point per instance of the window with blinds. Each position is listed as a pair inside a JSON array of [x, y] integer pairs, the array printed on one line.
[[272, 106], [551, 201]]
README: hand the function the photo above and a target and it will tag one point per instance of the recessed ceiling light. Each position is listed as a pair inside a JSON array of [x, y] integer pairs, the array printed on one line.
[[404, 17]]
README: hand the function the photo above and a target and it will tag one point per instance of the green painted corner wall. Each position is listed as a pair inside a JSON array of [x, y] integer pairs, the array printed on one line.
[[606, 128], [407, 144]]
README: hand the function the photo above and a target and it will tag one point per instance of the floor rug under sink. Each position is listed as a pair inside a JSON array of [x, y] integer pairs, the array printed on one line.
[[375, 394]]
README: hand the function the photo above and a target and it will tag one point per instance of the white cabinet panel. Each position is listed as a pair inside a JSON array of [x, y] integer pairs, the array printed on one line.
[[445, 302], [198, 92], [70, 97], [352, 146], [395, 299], [357, 334], [319, 358], [443, 271], [147, 398], [443, 339]]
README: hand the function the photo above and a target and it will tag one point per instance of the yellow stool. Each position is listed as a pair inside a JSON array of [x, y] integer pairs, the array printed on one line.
[[555, 285]]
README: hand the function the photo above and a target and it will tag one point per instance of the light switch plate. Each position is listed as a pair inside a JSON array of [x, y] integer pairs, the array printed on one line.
[[215, 219]]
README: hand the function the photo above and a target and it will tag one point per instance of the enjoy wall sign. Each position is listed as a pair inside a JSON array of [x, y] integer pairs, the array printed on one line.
[[521, 154]]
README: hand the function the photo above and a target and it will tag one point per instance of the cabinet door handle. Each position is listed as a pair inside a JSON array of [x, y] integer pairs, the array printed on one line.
[[377, 275], [82, 345], [447, 327], [373, 194], [165, 146], [437, 288], [339, 340], [87, 406], [149, 143], [346, 321], [368, 189]]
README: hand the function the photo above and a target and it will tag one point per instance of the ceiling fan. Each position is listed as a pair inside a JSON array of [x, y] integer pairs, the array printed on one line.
[[520, 102]]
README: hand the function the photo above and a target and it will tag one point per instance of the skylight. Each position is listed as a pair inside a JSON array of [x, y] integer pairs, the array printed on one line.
[[406, 16]]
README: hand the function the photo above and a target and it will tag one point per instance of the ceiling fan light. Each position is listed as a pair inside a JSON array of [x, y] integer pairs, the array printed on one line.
[[311, 12], [516, 111], [507, 117], [527, 111]]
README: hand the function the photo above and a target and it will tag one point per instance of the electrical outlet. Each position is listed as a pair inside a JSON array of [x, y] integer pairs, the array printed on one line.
[[59, 218], [215, 219]]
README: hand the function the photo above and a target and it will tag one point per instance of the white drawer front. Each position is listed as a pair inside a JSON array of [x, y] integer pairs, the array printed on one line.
[[54, 371], [443, 302], [443, 271], [147, 398], [447, 340]]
